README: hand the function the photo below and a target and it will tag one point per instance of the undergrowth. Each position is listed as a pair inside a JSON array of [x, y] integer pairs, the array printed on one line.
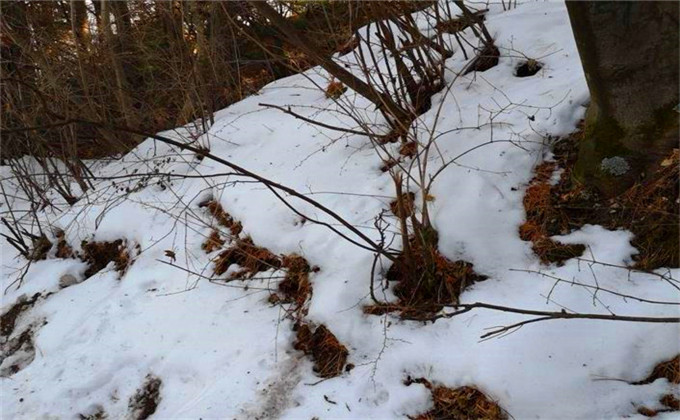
[[328, 354], [462, 403], [99, 254], [649, 209]]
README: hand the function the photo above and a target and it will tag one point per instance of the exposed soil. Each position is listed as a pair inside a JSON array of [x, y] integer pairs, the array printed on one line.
[[8, 319], [145, 401], [528, 68]]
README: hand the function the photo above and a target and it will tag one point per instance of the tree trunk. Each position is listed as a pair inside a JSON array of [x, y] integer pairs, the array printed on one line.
[[629, 53]]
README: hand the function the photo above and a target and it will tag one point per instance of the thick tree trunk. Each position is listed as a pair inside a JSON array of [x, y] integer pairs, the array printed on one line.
[[629, 52]]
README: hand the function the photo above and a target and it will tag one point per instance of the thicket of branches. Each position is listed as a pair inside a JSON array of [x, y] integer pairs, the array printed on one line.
[[148, 64], [122, 71]]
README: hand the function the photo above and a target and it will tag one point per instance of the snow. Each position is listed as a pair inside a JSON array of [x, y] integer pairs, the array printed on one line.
[[225, 352]]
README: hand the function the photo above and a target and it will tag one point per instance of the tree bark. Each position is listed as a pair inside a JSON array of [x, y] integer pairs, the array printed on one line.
[[629, 52]]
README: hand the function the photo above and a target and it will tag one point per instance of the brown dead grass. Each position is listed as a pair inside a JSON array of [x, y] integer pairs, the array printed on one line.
[[252, 259], [295, 287], [328, 354], [649, 209], [213, 242], [463, 403], [669, 369], [223, 218], [670, 401], [64, 250], [653, 211], [99, 254], [545, 219], [335, 89], [420, 297], [409, 149], [40, 246], [407, 204]]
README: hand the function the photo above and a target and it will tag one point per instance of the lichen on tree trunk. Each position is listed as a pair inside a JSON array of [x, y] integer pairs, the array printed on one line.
[[629, 52]]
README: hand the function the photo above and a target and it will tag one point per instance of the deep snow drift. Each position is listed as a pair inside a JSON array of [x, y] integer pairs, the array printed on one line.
[[226, 352]]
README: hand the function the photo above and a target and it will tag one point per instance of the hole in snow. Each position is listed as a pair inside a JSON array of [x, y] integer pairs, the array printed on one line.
[[528, 68]]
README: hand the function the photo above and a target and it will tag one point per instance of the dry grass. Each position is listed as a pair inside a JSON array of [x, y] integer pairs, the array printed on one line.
[[422, 292], [463, 403], [545, 219], [459, 23], [295, 287], [40, 246], [99, 254], [335, 89], [250, 258], [328, 354], [409, 149], [407, 205], [669, 369], [223, 218], [213, 242], [670, 401], [653, 210], [649, 209], [64, 250]]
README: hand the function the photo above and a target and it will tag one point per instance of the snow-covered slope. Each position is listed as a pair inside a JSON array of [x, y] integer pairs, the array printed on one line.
[[226, 352]]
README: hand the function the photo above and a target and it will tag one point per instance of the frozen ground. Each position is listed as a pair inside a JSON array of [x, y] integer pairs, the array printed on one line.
[[225, 352]]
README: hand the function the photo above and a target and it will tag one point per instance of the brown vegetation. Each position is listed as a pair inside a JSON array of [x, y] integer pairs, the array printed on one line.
[[251, 259], [295, 287], [328, 354], [669, 369], [213, 242], [423, 292], [335, 89], [649, 209], [223, 218], [99, 254], [462, 403]]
